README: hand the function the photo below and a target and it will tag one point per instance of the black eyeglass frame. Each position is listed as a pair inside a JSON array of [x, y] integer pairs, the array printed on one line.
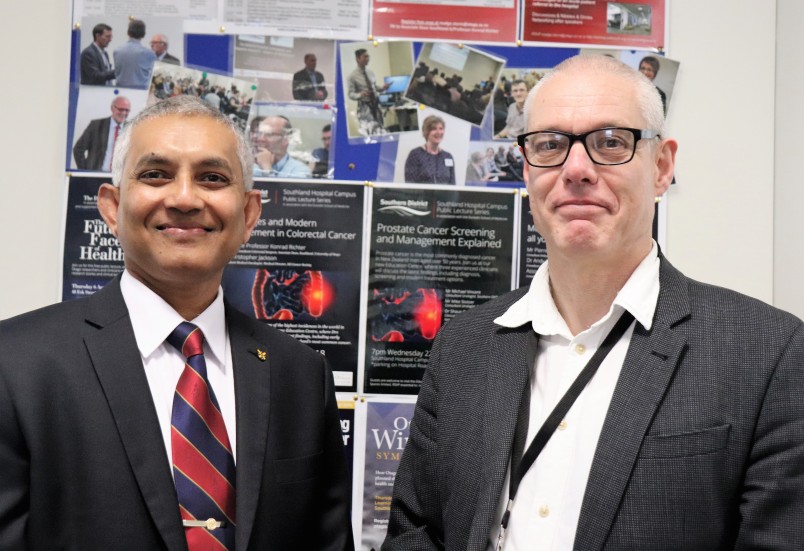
[[639, 134]]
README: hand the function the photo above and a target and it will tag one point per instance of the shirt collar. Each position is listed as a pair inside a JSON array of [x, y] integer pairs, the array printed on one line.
[[153, 319], [280, 165], [639, 296]]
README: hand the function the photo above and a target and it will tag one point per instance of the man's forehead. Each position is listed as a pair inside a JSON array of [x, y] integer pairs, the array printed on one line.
[[184, 133], [576, 102]]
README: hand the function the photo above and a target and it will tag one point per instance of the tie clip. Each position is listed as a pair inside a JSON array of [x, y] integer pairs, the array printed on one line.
[[209, 524]]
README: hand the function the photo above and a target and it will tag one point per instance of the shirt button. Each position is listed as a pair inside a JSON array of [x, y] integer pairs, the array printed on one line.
[[580, 349], [562, 425], [544, 510]]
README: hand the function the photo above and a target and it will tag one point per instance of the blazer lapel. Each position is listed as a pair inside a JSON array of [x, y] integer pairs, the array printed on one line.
[[507, 376], [116, 360], [252, 363], [647, 371]]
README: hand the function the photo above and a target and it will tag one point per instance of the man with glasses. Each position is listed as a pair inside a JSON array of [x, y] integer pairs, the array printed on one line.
[[615, 403], [270, 138], [93, 150]]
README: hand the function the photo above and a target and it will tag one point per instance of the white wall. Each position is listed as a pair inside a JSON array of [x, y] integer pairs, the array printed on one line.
[[788, 250], [720, 215], [36, 47], [721, 224]]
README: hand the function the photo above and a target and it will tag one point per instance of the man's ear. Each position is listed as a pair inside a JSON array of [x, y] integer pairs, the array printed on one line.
[[251, 210], [665, 165], [108, 203]]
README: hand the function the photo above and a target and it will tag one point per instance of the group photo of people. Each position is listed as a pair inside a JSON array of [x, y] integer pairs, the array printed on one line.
[[233, 97]]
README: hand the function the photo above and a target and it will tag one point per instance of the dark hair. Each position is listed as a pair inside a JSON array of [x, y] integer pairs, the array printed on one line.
[[519, 81], [136, 28], [308, 56], [359, 52], [653, 62], [327, 128], [99, 29]]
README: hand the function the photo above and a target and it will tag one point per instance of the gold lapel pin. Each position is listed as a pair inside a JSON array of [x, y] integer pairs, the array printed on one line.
[[262, 355]]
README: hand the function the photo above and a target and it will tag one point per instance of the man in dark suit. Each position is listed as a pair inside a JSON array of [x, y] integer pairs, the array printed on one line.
[[88, 418], [96, 68], [159, 46], [689, 433], [93, 149], [308, 84]]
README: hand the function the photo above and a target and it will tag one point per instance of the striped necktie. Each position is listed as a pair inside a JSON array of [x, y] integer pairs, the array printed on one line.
[[203, 466]]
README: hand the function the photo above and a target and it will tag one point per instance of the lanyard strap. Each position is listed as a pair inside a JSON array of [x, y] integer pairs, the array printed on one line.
[[521, 463]]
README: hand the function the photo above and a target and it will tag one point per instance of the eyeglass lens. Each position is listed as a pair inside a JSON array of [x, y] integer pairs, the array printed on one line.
[[608, 146]]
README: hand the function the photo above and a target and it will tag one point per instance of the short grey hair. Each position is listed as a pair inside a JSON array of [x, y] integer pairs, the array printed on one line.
[[647, 96], [185, 106]]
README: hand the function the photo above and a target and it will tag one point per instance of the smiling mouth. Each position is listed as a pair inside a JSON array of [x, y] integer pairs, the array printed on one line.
[[183, 229]]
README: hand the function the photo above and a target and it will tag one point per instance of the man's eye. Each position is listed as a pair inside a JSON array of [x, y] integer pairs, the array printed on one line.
[[152, 175], [545, 145], [214, 178], [610, 143]]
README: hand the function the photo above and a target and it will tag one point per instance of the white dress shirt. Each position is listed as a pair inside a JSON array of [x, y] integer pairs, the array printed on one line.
[[548, 501], [153, 320]]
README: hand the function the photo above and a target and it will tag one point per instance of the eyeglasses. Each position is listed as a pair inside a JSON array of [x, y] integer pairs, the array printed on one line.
[[605, 146], [266, 135]]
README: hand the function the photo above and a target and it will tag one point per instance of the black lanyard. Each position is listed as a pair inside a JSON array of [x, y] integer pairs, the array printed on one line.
[[521, 463]]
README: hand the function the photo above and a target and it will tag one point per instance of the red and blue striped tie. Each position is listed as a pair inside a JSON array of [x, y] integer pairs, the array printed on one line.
[[203, 466]]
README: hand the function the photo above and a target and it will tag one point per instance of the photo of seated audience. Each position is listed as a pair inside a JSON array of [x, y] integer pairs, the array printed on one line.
[[457, 81], [233, 97], [494, 164]]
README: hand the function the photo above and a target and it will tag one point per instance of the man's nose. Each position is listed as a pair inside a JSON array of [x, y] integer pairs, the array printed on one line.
[[579, 167], [183, 194]]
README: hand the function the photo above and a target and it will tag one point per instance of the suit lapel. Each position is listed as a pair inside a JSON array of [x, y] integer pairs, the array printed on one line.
[[647, 371], [252, 396], [507, 376], [116, 359]]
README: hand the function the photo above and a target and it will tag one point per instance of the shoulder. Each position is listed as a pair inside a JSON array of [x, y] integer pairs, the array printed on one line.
[[55, 331], [415, 153], [298, 75], [715, 313]]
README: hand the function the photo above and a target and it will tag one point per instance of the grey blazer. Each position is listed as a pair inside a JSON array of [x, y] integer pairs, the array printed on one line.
[[82, 461], [702, 447]]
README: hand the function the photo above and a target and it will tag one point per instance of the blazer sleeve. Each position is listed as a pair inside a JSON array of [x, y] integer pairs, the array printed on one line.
[[14, 466], [772, 499], [416, 523]]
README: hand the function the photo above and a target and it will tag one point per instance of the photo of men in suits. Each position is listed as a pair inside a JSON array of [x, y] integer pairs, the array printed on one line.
[[93, 150], [96, 68], [688, 433], [308, 84], [152, 415]]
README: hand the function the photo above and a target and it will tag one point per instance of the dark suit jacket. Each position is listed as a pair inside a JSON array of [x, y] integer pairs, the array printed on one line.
[[93, 67], [303, 88], [702, 447], [90, 149], [172, 59], [82, 458]]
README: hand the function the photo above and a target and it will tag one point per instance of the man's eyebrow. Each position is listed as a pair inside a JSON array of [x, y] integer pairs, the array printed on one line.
[[152, 159], [215, 162]]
